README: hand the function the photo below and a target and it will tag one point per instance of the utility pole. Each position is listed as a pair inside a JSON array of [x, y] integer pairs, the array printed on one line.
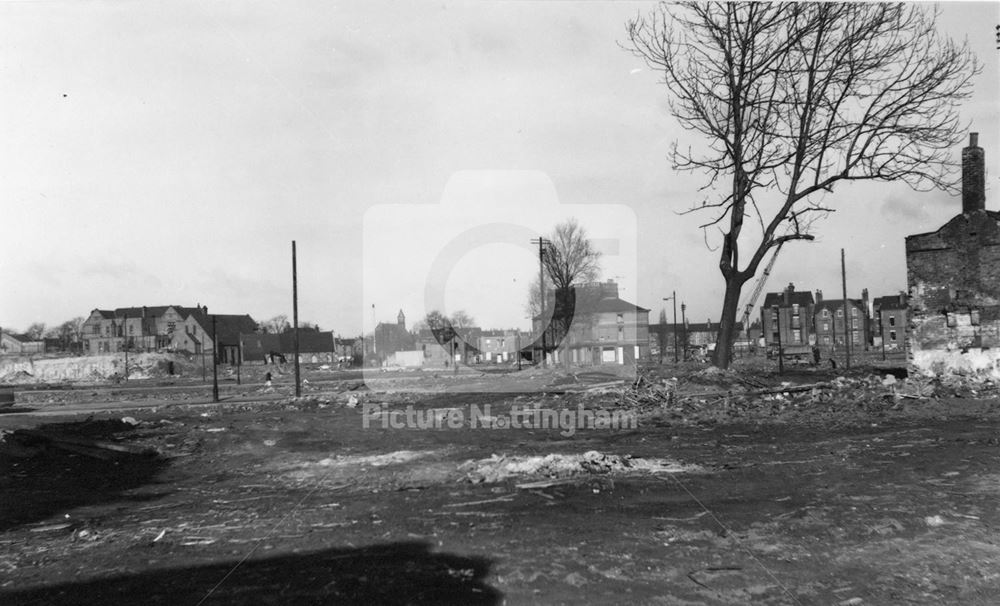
[[518, 349], [125, 341], [684, 323], [781, 353], [673, 296], [215, 362], [541, 287], [295, 321], [847, 318]]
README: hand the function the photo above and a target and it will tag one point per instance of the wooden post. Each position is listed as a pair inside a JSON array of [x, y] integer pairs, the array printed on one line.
[[781, 352], [215, 362], [847, 317], [295, 321]]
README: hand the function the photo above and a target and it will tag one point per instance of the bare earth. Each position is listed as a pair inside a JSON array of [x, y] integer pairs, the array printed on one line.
[[265, 499]]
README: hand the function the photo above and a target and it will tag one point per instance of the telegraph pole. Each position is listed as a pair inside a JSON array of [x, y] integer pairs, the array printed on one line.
[[847, 330], [541, 288], [125, 341], [215, 362], [295, 321], [684, 322]]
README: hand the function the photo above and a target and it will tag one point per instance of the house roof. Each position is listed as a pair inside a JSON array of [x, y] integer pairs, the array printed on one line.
[[229, 326], [891, 302], [158, 310], [802, 298], [23, 338], [107, 314]]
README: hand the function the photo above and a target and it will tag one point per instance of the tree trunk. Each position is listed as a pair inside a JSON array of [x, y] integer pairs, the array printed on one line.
[[727, 322]]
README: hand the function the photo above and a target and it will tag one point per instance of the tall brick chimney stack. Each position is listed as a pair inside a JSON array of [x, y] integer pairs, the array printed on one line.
[[819, 296], [973, 176]]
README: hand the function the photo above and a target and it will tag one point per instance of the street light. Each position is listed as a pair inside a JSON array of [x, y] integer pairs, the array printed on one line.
[[673, 297]]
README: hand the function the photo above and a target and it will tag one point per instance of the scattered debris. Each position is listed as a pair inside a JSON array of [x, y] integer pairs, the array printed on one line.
[[501, 467]]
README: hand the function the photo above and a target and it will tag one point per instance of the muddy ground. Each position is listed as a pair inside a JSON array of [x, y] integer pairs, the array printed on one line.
[[284, 501]]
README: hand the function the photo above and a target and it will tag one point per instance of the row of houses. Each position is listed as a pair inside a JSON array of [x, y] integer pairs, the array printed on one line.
[[796, 320], [602, 329], [948, 320]]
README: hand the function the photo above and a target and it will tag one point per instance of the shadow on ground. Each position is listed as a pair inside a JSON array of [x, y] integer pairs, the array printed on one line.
[[50, 475], [395, 573]]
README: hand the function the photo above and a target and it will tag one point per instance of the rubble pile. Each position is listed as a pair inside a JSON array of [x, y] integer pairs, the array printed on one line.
[[844, 399], [498, 468]]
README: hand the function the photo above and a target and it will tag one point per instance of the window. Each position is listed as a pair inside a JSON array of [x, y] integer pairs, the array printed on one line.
[[796, 336], [621, 319], [131, 329], [840, 313], [171, 326], [795, 308], [854, 338], [826, 313], [826, 339], [774, 337], [621, 333], [95, 329], [854, 312], [892, 336], [892, 320], [854, 323], [826, 326]]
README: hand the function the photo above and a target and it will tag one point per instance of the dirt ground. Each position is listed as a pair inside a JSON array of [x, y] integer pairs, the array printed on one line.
[[842, 493]]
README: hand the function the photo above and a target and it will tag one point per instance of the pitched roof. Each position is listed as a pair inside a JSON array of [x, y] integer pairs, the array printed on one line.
[[796, 297], [891, 302], [229, 326]]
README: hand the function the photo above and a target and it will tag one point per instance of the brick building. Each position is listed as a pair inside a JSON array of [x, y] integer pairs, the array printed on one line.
[[788, 316], [829, 322], [605, 329], [889, 319], [953, 276]]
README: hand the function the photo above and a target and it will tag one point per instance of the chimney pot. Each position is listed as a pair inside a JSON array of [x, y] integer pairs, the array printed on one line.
[[973, 139]]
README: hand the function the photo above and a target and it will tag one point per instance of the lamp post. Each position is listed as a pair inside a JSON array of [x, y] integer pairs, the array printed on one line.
[[673, 297]]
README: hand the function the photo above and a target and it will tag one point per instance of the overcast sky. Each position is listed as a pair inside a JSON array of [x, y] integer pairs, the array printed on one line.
[[161, 152]]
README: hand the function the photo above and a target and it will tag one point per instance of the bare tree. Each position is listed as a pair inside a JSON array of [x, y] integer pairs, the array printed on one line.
[[36, 331], [569, 260], [789, 99], [276, 325], [461, 319]]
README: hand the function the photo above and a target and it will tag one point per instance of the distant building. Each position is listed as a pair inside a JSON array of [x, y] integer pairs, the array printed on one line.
[[605, 329], [890, 320], [11, 343], [164, 328], [786, 319], [392, 337], [831, 327], [953, 275], [499, 346], [315, 347]]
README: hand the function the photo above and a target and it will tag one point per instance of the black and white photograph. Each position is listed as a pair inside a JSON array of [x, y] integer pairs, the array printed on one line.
[[497, 302]]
